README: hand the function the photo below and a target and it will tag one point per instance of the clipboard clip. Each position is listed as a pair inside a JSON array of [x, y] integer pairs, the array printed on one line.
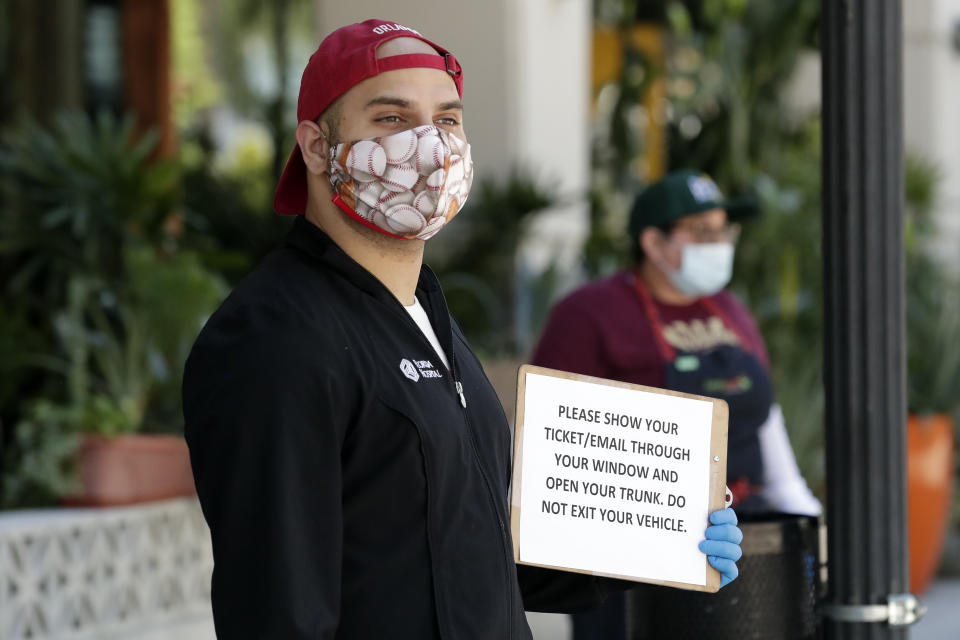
[[728, 497]]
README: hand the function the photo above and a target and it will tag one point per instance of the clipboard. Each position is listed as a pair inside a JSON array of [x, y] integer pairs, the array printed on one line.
[[611, 439]]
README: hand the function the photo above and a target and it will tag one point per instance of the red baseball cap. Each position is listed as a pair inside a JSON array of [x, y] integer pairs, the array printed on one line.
[[345, 58]]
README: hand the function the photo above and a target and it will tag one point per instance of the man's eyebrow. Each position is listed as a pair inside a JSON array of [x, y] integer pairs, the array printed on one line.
[[388, 100], [393, 101], [454, 105]]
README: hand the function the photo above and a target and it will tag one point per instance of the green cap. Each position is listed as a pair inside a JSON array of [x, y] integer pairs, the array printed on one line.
[[679, 194]]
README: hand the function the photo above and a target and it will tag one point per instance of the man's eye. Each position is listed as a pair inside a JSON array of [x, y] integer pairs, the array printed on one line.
[[389, 119], [450, 122]]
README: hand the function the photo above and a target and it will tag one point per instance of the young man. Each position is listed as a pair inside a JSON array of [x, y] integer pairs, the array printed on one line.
[[350, 456]]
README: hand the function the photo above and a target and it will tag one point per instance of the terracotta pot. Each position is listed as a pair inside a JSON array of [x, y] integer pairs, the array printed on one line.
[[930, 470], [132, 468]]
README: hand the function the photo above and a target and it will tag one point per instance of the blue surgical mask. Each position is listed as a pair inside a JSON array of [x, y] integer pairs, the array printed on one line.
[[706, 269]]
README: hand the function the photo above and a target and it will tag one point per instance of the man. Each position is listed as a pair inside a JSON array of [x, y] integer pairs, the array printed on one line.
[[350, 456], [669, 322]]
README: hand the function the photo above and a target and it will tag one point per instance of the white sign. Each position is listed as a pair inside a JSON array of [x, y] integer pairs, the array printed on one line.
[[614, 480]]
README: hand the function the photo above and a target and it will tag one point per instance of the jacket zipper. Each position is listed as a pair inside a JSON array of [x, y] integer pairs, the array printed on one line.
[[458, 386]]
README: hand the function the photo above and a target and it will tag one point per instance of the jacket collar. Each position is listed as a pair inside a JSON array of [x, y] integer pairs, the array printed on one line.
[[314, 241]]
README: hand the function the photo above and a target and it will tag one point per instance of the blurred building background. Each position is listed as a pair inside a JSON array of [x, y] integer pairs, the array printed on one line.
[[141, 140]]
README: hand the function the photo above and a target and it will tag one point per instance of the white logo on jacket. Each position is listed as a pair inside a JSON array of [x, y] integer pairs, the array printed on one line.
[[409, 370], [419, 369]]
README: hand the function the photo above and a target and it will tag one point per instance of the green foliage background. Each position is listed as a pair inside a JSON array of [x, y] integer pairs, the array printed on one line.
[[106, 301], [97, 238], [728, 63]]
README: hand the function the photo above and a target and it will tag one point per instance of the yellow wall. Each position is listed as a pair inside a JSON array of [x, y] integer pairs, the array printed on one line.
[[608, 49]]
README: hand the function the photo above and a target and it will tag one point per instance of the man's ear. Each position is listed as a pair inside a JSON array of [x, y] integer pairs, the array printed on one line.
[[651, 241], [314, 147]]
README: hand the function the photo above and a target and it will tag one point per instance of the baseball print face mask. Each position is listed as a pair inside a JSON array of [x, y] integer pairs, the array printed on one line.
[[407, 185]]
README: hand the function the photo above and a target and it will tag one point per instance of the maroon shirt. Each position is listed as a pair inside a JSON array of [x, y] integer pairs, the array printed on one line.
[[601, 330]]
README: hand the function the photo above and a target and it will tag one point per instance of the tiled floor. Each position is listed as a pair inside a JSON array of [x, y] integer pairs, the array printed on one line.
[[549, 626], [942, 621]]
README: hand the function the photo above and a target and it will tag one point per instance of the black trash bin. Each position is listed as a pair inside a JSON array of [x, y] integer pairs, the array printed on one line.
[[775, 597]]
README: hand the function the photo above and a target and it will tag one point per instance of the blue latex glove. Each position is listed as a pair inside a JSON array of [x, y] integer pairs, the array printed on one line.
[[722, 545]]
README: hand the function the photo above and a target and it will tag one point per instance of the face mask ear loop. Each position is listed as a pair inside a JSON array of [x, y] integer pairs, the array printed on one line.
[[660, 262], [327, 140]]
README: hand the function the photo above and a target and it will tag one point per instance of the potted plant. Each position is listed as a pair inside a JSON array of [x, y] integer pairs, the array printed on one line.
[[101, 276], [138, 345], [933, 382], [116, 439], [933, 398]]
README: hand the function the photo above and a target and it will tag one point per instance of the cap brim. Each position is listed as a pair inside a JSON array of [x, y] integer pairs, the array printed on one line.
[[741, 208], [290, 198]]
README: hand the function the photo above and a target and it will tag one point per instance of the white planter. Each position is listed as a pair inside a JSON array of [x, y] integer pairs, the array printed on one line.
[[106, 574]]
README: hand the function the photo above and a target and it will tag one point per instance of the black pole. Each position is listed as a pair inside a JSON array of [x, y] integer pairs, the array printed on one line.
[[864, 317]]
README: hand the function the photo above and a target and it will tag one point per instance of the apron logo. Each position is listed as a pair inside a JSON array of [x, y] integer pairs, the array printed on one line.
[[686, 363], [409, 370], [699, 334], [739, 384]]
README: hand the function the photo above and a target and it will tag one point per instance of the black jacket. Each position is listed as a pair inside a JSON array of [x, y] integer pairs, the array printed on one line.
[[349, 491]]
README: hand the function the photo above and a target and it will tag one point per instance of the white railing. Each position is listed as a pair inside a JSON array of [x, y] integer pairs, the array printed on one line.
[[123, 573]]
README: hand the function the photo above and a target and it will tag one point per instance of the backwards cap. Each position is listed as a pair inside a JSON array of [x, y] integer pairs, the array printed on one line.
[[345, 58]]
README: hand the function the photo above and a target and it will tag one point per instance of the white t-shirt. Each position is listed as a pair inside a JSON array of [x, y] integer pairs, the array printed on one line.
[[419, 315]]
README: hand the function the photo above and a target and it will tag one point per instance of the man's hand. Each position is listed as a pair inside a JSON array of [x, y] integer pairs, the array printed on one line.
[[722, 545]]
